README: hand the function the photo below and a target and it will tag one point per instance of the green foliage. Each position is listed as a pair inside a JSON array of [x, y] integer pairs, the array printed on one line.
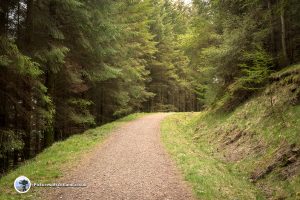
[[106, 73], [23, 93], [165, 108], [15, 61], [4, 61], [85, 118], [255, 74], [81, 103], [78, 112], [169, 65], [234, 46], [54, 58], [10, 141]]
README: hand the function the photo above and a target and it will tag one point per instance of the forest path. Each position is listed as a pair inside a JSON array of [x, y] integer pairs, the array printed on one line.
[[131, 164]]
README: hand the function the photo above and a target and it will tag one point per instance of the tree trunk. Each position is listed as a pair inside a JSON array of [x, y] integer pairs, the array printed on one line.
[[272, 31], [18, 24], [283, 38], [29, 24], [3, 17]]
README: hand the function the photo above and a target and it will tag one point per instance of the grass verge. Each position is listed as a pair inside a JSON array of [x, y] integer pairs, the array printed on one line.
[[210, 177], [55, 160]]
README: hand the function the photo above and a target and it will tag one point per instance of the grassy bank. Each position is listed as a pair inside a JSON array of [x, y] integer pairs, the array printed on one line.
[[218, 169], [210, 177], [54, 161], [252, 152]]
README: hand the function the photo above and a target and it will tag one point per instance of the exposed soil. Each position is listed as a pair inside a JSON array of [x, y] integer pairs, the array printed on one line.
[[238, 144], [285, 160], [131, 164]]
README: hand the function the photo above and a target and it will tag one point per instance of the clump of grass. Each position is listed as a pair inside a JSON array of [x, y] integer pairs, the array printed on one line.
[[54, 161]]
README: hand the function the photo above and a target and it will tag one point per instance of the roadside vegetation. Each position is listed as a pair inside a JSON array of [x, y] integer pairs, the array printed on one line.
[[252, 152], [210, 177], [56, 160]]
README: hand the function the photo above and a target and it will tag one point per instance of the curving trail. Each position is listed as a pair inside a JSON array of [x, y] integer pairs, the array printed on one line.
[[131, 164]]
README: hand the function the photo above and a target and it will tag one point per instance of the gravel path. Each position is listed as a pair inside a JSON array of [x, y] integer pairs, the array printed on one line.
[[131, 164]]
